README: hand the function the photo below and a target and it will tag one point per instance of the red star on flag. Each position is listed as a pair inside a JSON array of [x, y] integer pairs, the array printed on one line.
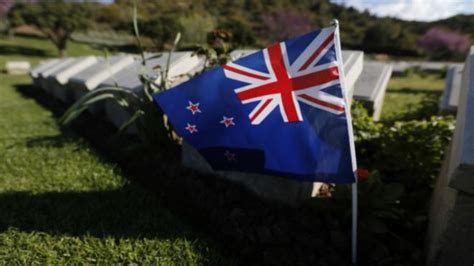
[[193, 107], [227, 121], [191, 128], [230, 156]]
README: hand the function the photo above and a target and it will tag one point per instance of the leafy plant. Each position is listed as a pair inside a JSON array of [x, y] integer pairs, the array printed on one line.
[[378, 210], [216, 50], [405, 157], [153, 128]]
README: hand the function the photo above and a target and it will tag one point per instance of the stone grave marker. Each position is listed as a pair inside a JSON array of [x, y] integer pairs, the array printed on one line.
[[370, 87], [236, 54], [450, 99], [181, 63], [43, 75], [17, 67], [91, 77], [450, 236], [353, 65], [57, 80], [42, 66], [273, 187]]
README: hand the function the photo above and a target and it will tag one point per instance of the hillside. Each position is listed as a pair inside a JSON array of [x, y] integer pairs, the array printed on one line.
[[257, 23]]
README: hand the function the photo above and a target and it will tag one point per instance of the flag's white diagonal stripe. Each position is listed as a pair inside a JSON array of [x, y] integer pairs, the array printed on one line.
[[250, 71], [315, 69], [243, 78], [262, 110], [323, 100], [317, 88], [312, 47]]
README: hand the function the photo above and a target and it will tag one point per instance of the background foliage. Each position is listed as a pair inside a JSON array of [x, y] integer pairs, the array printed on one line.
[[257, 23]]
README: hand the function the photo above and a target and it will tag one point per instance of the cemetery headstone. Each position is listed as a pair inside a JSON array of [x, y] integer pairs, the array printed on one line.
[[371, 86], [57, 80], [353, 65], [450, 99], [450, 235], [17, 67], [181, 64], [399, 68], [43, 75], [236, 54], [43, 66], [91, 77]]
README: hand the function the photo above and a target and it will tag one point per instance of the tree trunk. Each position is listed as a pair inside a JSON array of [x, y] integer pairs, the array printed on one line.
[[61, 45], [62, 52]]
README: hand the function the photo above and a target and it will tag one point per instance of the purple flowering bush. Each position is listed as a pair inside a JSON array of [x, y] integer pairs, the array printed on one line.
[[284, 24], [442, 43]]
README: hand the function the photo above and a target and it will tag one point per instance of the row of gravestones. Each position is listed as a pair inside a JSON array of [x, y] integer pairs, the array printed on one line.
[[71, 78], [450, 238]]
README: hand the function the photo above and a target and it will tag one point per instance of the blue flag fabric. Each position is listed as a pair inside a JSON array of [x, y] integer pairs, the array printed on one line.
[[277, 111]]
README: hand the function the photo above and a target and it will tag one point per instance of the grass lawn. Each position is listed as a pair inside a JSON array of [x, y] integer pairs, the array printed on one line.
[[35, 49], [60, 202], [404, 94]]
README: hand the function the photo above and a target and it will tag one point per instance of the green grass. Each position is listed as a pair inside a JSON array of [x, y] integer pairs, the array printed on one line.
[[61, 203], [35, 49], [404, 94]]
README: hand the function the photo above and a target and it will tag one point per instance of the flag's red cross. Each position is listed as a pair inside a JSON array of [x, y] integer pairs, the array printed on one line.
[[285, 85], [191, 128], [193, 107], [227, 121]]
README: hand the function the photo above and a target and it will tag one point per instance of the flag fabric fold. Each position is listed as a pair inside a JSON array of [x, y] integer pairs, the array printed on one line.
[[278, 111]]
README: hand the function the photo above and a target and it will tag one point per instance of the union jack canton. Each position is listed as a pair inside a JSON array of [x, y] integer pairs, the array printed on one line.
[[277, 111]]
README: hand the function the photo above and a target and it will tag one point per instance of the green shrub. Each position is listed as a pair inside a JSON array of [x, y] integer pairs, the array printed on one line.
[[196, 26], [409, 152]]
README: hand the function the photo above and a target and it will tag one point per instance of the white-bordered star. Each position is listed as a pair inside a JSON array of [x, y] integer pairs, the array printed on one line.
[[227, 121], [193, 107], [230, 156], [191, 128]]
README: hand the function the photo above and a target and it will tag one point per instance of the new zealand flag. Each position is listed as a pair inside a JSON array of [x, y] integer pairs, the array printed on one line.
[[277, 111]]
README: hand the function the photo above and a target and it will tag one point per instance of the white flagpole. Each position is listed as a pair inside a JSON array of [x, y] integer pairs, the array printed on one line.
[[335, 23]]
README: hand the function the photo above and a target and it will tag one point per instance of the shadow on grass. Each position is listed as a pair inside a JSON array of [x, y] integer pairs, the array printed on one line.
[[22, 50], [128, 212], [97, 131], [30, 91], [415, 91], [52, 141]]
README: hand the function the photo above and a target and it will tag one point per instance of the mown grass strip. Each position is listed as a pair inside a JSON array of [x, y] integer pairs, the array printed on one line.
[[60, 202]]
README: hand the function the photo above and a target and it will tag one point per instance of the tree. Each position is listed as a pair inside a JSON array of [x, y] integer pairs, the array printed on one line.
[[161, 30], [56, 19], [242, 33]]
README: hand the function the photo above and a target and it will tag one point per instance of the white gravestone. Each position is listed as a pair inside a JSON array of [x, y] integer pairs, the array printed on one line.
[[450, 236], [371, 86], [17, 67], [450, 99], [353, 65], [42, 66], [43, 75], [56, 81], [181, 63], [93, 76], [273, 187]]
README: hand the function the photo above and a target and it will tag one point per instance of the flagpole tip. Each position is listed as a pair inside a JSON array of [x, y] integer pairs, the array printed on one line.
[[335, 22]]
